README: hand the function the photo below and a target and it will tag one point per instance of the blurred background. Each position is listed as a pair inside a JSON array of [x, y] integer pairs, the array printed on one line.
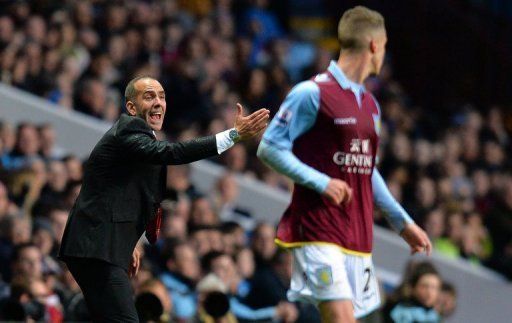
[[446, 97]]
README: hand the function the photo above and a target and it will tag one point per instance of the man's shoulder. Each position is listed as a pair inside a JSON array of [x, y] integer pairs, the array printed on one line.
[[130, 124]]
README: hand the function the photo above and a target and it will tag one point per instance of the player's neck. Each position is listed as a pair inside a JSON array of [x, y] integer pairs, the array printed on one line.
[[355, 67]]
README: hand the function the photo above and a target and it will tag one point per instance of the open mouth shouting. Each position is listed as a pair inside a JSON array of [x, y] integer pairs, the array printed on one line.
[[156, 117]]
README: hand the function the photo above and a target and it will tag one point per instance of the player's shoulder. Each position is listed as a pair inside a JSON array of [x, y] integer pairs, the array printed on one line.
[[323, 78], [375, 103], [308, 87]]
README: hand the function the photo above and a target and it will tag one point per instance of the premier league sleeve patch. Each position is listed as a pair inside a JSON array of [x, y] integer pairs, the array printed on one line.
[[283, 117]]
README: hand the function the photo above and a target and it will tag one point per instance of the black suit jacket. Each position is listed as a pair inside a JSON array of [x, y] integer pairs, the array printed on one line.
[[123, 183]]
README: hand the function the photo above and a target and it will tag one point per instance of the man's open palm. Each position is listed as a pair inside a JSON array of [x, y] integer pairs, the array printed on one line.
[[251, 125]]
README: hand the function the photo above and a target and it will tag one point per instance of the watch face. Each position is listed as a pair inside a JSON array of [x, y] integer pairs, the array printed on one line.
[[233, 134]]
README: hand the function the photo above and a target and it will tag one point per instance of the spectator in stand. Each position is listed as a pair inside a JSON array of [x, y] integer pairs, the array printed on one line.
[[224, 199], [27, 262], [447, 301], [15, 230], [43, 238], [48, 150], [5, 203], [223, 266], [269, 287], [263, 245], [499, 221], [180, 276], [26, 150], [157, 288], [417, 305]]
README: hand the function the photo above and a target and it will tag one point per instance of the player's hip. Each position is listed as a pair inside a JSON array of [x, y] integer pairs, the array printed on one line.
[[349, 234]]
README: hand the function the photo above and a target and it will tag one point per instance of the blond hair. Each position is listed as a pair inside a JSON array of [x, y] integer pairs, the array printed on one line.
[[355, 25]]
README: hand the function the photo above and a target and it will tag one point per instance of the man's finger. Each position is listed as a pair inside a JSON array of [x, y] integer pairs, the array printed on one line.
[[349, 195], [334, 198], [428, 248], [263, 117], [239, 110], [261, 128], [259, 113]]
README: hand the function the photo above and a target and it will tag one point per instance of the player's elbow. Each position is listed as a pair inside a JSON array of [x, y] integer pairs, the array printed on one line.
[[261, 152]]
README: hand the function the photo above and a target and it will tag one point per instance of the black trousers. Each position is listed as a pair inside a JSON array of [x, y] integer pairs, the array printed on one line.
[[106, 288]]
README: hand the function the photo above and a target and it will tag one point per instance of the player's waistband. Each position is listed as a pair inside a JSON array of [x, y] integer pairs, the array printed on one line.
[[298, 244]]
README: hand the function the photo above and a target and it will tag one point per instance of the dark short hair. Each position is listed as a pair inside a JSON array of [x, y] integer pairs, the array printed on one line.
[[19, 249], [207, 260], [169, 247], [448, 288], [420, 270], [130, 92]]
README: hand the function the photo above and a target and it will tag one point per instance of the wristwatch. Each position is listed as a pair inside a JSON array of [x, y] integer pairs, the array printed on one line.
[[233, 135]]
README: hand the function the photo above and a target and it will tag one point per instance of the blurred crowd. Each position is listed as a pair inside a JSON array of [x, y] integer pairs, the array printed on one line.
[[451, 172]]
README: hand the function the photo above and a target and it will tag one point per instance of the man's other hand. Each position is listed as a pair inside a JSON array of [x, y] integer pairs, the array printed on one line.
[[135, 263], [338, 192], [251, 125], [416, 238]]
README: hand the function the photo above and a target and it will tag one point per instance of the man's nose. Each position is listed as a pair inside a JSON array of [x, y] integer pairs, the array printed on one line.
[[159, 101]]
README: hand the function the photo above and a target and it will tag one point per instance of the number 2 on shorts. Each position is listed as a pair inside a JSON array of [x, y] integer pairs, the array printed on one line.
[[367, 272]]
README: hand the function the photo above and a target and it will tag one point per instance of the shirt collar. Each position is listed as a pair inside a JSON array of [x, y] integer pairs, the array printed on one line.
[[342, 79]]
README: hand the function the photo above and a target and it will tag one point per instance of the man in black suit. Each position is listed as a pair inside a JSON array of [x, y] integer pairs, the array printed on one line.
[[120, 197]]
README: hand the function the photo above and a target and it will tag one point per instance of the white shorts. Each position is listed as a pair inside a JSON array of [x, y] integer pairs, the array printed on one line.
[[324, 272]]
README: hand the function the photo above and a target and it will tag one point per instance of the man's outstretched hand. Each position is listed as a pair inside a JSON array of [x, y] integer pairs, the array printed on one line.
[[251, 125], [416, 238]]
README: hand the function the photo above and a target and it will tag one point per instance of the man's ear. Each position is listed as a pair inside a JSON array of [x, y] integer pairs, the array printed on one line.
[[373, 46], [130, 108]]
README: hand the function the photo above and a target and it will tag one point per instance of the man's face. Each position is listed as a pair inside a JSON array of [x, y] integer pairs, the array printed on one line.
[[149, 103], [263, 242], [4, 200], [187, 262], [380, 51], [224, 268], [427, 289], [29, 263], [28, 141], [58, 219]]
